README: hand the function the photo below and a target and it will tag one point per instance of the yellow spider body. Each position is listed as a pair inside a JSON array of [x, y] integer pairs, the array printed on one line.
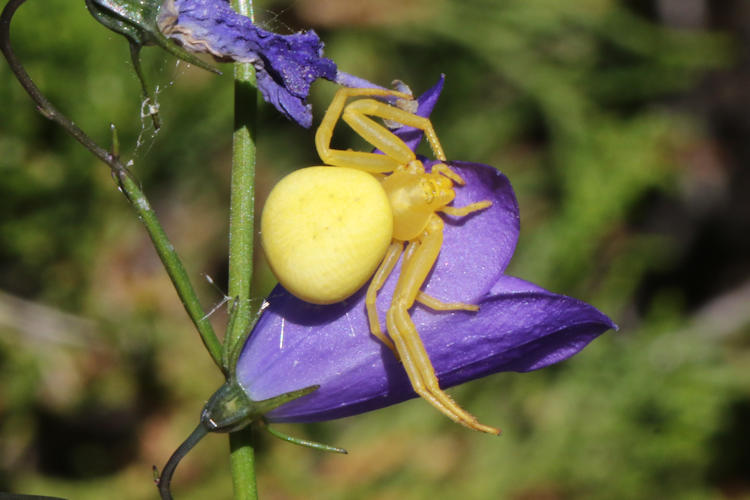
[[326, 231]]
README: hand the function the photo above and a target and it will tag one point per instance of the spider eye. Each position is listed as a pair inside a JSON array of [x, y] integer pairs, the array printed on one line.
[[428, 189], [325, 231]]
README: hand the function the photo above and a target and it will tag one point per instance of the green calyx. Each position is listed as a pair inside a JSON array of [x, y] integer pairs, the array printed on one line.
[[136, 20], [229, 409]]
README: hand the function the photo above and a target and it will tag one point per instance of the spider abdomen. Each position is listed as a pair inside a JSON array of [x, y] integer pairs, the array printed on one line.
[[325, 231]]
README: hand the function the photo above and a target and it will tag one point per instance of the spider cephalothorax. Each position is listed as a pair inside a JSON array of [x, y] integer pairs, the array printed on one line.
[[327, 231]]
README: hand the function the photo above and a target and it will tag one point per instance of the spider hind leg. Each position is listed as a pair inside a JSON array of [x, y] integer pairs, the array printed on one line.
[[386, 266]]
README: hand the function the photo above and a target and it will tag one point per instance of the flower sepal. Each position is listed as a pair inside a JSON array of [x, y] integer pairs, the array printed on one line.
[[230, 409], [136, 20]]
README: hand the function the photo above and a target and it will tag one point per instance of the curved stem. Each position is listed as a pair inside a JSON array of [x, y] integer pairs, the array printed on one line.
[[165, 478], [126, 183], [43, 105]]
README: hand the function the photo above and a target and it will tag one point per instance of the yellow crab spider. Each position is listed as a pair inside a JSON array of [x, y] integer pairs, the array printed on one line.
[[327, 231]]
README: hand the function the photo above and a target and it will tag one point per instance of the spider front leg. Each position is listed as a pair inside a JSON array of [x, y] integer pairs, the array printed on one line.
[[357, 114], [439, 305], [404, 334]]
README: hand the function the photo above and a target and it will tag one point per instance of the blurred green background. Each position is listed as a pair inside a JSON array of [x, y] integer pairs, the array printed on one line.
[[625, 129]]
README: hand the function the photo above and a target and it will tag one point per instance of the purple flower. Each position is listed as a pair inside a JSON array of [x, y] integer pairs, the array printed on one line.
[[519, 326], [285, 65]]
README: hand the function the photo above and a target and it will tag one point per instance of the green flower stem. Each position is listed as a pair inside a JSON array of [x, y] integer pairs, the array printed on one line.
[[129, 187], [243, 464], [242, 209], [241, 232]]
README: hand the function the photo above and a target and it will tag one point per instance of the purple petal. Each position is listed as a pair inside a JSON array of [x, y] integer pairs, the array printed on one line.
[[354, 81], [533, 328], [425, 104], [519, 326], [412, 136], [297, 344], [286, 65]]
